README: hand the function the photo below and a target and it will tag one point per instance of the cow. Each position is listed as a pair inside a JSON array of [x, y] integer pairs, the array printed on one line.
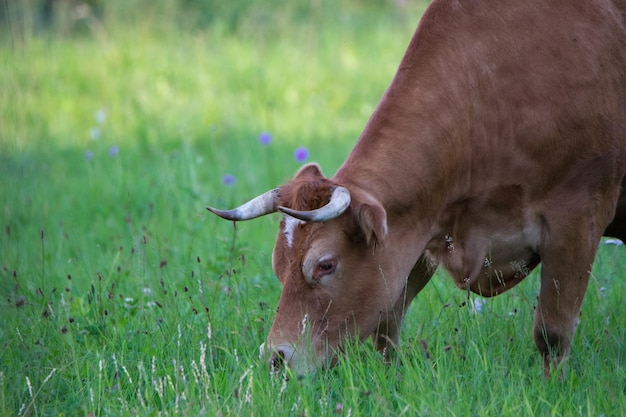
[[499, 144]]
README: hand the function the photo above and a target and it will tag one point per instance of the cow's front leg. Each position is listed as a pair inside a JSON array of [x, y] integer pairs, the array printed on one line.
[[388, 335], [564, 276]]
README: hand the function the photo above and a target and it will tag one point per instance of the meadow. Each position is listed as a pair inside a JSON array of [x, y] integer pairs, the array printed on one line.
[[121, 295]]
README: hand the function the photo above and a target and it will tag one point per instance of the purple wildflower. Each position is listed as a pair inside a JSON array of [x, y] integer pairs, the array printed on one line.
[[301, 154], [265, 138], [228, 180], [113, 151], [88, 155]]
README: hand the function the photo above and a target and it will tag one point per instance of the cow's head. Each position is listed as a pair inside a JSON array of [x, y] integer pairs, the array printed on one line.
[[330, 258]]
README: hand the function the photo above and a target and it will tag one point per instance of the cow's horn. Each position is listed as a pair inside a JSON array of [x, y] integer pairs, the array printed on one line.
[[339, 202], [259, 206]]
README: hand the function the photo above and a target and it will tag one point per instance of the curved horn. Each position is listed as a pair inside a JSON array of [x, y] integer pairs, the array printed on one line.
[[339, 202], [259, 206]]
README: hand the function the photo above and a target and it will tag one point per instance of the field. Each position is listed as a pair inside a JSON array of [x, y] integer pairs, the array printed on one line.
[[121, 295]]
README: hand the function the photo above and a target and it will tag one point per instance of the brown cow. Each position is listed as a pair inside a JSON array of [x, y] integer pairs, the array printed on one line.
[[500, 143]]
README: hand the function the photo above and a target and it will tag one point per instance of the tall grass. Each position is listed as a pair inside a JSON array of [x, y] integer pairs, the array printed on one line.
[[121, 296]]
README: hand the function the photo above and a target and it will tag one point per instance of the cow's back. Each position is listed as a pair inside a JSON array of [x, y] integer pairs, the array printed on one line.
[[489, 92]]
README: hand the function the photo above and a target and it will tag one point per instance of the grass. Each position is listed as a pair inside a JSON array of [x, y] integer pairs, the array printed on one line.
[[121, 295]]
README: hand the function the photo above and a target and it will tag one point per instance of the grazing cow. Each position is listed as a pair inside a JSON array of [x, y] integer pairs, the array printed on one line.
[[500, 144]]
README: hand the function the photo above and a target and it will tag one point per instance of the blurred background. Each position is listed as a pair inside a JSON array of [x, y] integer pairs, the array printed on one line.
[[23, 18], [305, 71], [141, 78], [66, 17]]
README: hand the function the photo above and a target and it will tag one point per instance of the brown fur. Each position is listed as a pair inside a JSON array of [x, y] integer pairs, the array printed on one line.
[[309, 190], [500, 143]]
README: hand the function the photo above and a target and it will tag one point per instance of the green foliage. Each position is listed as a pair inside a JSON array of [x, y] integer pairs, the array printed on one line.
[[120, 295]]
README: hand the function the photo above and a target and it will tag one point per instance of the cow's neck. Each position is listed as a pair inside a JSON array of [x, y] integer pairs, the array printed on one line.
[[402, 167], [410, 146]]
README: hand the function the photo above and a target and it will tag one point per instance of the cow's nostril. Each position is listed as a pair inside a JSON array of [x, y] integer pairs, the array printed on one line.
[[281, 357], [277, 361]]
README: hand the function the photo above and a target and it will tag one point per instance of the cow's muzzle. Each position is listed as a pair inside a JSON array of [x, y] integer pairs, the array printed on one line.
[[284, 356], [278, 356]]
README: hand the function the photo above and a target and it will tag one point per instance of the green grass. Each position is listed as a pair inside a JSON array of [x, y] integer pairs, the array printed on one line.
[[121, 295]]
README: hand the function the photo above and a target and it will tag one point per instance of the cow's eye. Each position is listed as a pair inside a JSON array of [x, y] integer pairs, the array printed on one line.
[[325, 266]]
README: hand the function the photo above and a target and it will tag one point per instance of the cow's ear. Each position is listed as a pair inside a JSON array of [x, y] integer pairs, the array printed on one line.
[[310, 170], [372, 219]]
